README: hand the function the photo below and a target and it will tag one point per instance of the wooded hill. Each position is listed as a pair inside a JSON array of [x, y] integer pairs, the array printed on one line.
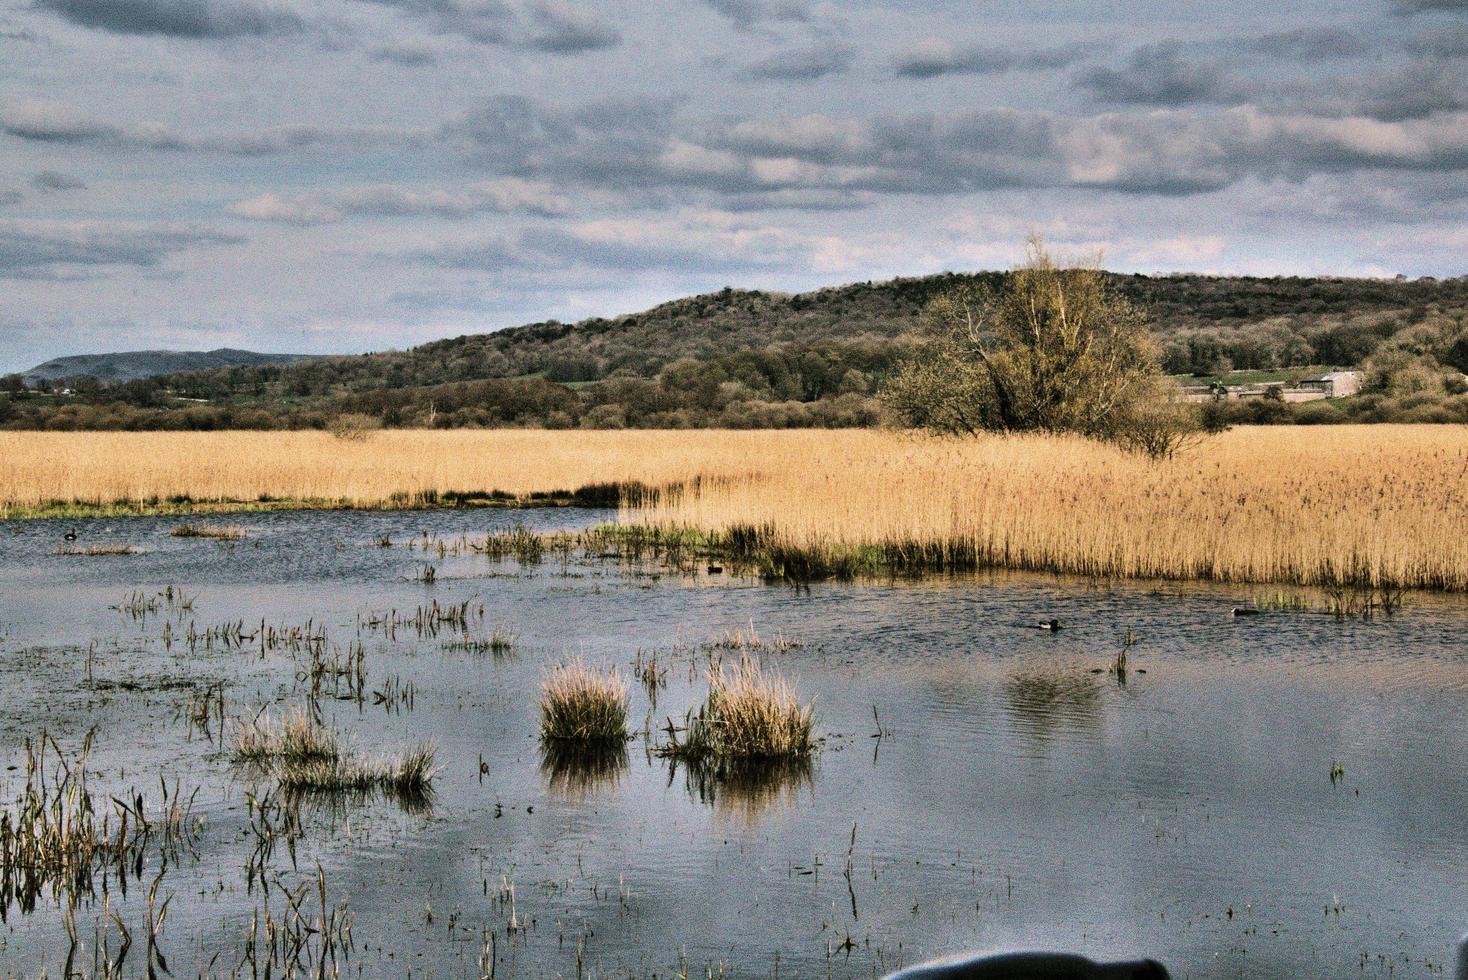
[[747, 358]]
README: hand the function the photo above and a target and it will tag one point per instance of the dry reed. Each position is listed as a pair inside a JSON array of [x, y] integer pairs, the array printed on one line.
[[750, 716], [296, 738], [1372, 505], [579, 704]]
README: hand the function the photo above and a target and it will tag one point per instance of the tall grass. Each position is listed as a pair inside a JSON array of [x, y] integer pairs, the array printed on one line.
[[579, 704], [1369, 505]]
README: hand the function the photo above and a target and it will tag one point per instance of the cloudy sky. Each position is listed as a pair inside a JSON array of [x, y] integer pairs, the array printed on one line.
[[348, 175]]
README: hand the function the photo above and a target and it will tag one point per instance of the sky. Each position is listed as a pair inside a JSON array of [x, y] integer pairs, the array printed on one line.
[[349, 175]]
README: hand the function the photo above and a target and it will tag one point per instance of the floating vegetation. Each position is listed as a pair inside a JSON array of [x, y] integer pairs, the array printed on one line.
[[579, 704], [97, 550], [500, 643], [749, 717], [208, 531], [748, 638], [406, 774], [426, 620]]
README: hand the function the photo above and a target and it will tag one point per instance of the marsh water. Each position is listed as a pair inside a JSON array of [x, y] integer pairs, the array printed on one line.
[[1281, 795]]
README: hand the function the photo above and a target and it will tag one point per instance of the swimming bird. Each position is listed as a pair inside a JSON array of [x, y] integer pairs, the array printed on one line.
[[1049, 624], [1245, 611], [69, 536]]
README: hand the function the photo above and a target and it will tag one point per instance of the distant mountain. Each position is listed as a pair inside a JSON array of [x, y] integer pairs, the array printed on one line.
[[741, 358], [133, 365]]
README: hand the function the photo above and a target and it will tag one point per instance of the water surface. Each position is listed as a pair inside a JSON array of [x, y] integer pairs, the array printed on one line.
[[1020, 796]]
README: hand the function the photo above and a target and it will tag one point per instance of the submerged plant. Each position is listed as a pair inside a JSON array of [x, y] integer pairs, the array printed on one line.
[[579, 704]]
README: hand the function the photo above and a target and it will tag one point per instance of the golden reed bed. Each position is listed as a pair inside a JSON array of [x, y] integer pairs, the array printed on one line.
[[1386, 504]]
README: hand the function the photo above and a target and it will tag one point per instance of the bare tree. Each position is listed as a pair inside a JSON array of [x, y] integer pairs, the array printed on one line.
[[1052, 351]]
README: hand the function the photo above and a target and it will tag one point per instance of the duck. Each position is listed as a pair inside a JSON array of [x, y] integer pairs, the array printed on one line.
[[1049, 624], [69, 536], [1245, 611]]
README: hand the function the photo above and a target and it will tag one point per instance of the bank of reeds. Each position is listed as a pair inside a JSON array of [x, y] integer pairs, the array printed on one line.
[[579, 704], [1381, 506]]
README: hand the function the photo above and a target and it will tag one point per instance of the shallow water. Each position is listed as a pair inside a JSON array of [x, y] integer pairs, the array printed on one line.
[[1020, 796]]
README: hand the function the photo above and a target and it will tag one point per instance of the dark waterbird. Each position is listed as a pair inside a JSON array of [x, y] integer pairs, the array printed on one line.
[[1049, 624], [69, 536], [1245, 611], [1033, 966]]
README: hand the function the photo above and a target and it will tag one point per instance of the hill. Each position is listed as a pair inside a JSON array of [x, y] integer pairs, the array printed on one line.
[[750, 358], [133, 365]]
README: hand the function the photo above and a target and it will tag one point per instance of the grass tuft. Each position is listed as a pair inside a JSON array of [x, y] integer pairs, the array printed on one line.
[[408, 773], [295, 739], [208, 531], [579, 704], [749, 716]]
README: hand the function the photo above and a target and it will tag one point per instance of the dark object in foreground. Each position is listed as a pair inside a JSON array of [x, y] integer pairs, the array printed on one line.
[[1245, 611], [1033, 966]]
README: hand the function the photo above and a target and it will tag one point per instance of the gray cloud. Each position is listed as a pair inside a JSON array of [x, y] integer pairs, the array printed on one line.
[[800, 64], [406, 55], [1422, 6], [1158, 74], [935, 57], [1450, 41], [1415, 91], [1307, 44], [562, 28], [52, 180], [53, 122], [38, 249], [826, 160], [554, 26], [177, 18], [505, 196], [487, 256], [750, 13]]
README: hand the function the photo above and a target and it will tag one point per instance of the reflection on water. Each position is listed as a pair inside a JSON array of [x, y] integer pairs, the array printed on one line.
[[744, 791], [1044, 697], [1251, 772], [576, 771]]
